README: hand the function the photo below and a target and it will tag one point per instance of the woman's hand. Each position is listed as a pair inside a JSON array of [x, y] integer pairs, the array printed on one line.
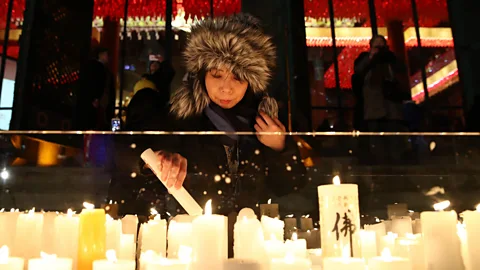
[[267, 124], [173, 168]]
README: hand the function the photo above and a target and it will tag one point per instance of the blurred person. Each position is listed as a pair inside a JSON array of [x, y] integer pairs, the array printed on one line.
[[161, 73]]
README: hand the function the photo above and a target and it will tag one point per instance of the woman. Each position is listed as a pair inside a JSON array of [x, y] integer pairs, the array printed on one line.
[[229, 62]]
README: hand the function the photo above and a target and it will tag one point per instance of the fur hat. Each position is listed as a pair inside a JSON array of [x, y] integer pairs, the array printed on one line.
[[235, 43]]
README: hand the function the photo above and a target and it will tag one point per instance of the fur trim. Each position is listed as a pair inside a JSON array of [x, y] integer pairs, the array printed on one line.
[[235, 43]]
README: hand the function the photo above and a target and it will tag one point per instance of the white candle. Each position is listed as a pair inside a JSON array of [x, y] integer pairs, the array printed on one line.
[[248, 237], [315, 256], [127, 247], [167, 264], [114, 233], [130, 225], [369, 244], [154, 236], [181, 195], [471, 220], [306, 223], [290, 263], [8, 227], [380, 232], [387, 262], [402, 225], [179, 234], [344, 263], [47, 262], [243, 264], [65, 240], [111, 263], [411, 247], [275, 248], [48, 233], [269, 209], [273, 226], [29, 230], [417, 226], [298, 247], [339, 213], [211, 229], [389, 241], [9, 263], [441, 242]]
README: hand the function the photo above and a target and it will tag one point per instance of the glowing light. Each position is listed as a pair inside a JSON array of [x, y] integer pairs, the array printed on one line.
[[441, 205], [88, 206], [336, 180], [208, 207], [386, 254], [4, 254], [111, 255], [4, 174]]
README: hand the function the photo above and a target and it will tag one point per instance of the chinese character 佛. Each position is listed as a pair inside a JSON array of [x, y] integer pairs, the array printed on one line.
[[348, 229]]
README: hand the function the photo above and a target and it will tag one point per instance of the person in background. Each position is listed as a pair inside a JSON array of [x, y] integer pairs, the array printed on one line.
[[161, 73], [381, 91]]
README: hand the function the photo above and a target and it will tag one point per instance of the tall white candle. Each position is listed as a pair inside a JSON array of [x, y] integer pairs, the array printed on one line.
[[47, 262], [273, 226], [402, 225], [9, 263], [8, 227], [269, 209], [380, 232], [339, 218], [211, 229], [127, 247], [29, 230], [389, 241], [154, 236], [387, 262], [298, 247], [111, 263], [471, 220], [411, 247], [48, 233], [275, 248], [179, 234], [130, 225], [248, 237], [65, 240], [114, 233], [369, 244], [181, 195], [441, 242]]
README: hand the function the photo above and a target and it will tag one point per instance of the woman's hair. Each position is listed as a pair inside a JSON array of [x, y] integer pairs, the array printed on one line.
[[378, 37]]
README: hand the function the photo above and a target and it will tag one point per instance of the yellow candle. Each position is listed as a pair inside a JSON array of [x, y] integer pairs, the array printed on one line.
[[91, 237]]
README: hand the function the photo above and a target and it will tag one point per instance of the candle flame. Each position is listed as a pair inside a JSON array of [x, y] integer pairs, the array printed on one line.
[[153, 211], [4, 254], [478, 207], [441, 205], [346, 252], [289, 258], [70, 213], [185, 254], [289, 216], [294, 236], [208, 207], [386, 254], [306, 216], [3, 210], [109, 218], [269, 201], [47, 256], [111, 255], [31, 211], [336, 180], [110, 202], [88, 206]]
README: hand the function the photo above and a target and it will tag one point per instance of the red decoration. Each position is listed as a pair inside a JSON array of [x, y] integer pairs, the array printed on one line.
[[220, 7]]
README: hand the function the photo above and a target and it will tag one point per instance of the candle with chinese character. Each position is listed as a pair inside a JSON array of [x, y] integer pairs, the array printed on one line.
[[65, 241], [47, 262], [28, 235], [269, 209], [440, 239], [112, 263], [471, 221], [91, 236], [339, 218], [387, 262], [344, 263], [9, 263], [179, 234], [211, 229]]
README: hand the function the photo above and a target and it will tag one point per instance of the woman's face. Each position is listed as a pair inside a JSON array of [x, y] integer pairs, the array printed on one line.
[[224, 88]]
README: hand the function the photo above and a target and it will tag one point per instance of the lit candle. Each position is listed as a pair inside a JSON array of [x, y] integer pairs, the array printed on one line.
[[369, 244], [344, 263], [91, 236], [306, 223], [248, 237], [290, 262], [127, 247], [179, 234], [112, 263], [65, 240], [114, 233], [298, 247], [29, 230], [389, 241], [47, 262], [211, 229], [269, 209], [387, 262], [182, 263], [9, 263], [8, 227], [440, 239], [397, 210], [181, 195], [312, 237], [242, 264], [380, 232], [130, 225], [154, 236], [273, 226], [48, 233], [315, 256], [290, 225], [339, 213], [411, 247], [275, 248], [402, 225], [471, 220]]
